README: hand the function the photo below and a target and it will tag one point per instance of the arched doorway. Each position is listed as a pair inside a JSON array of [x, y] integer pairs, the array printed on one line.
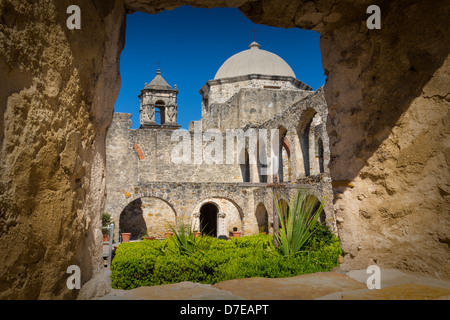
[[305, 132], [262, 161], [208, 219], [160, 112]]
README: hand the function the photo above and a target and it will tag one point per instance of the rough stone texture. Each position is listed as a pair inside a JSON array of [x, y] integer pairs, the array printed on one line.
[[216, 92], [387, 134], [249, 105], [388, 125], [55, 108]]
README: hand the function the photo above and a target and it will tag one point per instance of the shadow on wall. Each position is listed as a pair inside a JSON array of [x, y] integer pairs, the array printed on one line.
[[132, 220]]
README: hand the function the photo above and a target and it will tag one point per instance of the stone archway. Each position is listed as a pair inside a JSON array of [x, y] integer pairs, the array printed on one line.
[[305, 134], [146, 215], [132, 220], [229, 215]]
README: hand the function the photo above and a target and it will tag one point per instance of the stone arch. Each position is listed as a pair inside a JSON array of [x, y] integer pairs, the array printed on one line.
[[141, 194], [155, 215], [131, 220], [282, 131], [305, 133], [160, 109], [229, 215], [262, 217]]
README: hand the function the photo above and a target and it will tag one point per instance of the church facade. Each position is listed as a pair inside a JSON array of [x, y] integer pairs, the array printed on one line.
[[262, 132]]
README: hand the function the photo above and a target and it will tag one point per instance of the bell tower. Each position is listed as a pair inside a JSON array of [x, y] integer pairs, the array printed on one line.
[[158, 104]]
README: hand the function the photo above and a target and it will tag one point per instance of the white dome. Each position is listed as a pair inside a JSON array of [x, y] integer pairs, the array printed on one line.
[[254, 61]]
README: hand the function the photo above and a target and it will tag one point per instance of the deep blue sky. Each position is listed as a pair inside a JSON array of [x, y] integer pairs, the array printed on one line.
[[191, 45]]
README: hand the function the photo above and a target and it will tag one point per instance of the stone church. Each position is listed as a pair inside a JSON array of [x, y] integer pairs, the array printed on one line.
[[262, 132]]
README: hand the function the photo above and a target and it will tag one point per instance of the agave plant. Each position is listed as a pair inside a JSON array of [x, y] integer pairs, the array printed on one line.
[[184, 239], [298, 221]]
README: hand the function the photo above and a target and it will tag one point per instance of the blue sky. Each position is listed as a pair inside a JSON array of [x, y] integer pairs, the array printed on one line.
[[192, 43]]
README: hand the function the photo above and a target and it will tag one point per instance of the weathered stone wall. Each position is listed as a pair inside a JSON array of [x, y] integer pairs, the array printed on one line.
[[250, 105], [57, 91], [238, 201], [146, 215], [128, 169], [388, 125], [220, 90], [310, 112]]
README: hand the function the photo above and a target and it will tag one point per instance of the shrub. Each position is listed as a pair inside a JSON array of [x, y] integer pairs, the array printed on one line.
[[148, 263]]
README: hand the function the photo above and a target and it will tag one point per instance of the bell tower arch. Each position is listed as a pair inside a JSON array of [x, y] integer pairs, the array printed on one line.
[[158, 97]]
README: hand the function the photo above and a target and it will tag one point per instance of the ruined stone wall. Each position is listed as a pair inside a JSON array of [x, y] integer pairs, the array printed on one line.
[[129, 169], [221, 90], [157, 161], [250, 105], [311, 110], [238, 201]]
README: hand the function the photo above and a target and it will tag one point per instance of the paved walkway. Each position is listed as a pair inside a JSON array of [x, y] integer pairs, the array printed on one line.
[[335, 285]]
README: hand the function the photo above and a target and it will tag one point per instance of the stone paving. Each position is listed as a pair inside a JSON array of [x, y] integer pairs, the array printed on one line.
[[334, 285]]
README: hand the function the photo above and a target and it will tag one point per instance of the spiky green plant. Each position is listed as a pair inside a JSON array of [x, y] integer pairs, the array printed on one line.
[[184, 239], [298, 222]]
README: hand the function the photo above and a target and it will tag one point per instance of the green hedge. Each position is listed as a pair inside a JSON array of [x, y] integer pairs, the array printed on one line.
[[149, 263]]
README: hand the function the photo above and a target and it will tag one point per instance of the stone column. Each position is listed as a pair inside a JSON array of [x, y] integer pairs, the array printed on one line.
[[171, 113], [196, 221], [221, 230]]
